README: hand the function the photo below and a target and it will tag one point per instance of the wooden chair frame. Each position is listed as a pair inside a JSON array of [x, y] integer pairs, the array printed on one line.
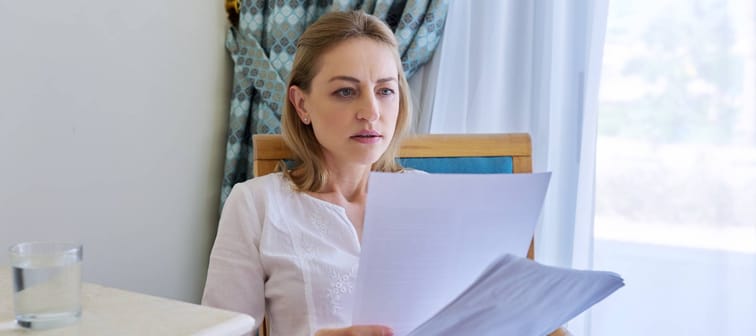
[[270, 149]]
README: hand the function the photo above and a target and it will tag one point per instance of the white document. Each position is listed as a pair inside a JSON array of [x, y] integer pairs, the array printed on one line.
[[517, 296], [428, 237]]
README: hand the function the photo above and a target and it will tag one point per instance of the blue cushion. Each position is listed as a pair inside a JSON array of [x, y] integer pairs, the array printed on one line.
[[461, 165]]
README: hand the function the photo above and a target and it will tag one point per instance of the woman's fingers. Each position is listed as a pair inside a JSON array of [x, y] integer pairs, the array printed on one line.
[[363, 330]]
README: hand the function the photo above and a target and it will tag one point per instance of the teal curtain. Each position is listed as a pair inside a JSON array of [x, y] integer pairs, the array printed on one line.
[[262, 46]]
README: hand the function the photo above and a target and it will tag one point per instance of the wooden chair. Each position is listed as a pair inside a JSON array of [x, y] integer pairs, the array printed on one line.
[[433, 153]]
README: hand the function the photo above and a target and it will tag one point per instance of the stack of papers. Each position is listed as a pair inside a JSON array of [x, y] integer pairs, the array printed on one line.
[[517, 296], [444, 253]]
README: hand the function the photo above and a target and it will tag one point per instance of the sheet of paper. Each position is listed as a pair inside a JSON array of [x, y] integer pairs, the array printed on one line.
[[517, 296], [427, 237]]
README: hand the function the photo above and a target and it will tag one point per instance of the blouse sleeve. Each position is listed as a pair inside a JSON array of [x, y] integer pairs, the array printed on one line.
[[235, 276]]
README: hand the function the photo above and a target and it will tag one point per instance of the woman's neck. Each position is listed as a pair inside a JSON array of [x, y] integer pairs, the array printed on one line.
[[349, 185], [348, 189]]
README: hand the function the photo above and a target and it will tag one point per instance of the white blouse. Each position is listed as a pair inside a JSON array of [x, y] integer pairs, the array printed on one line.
[[284, 255]]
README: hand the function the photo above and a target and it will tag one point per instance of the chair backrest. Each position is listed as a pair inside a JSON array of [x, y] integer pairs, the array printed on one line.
[[433, 153]]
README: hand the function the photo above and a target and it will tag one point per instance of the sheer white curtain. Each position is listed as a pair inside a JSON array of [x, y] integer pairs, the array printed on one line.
[[527, 66], [522, 66]]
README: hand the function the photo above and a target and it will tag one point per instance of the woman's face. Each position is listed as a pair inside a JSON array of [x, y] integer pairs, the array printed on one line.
[[353, 102]]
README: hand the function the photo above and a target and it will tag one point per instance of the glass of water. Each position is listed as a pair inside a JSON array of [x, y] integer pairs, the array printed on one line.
[[46, 284]]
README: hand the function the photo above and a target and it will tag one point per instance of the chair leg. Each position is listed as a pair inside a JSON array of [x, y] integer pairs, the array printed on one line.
[[264, 329]]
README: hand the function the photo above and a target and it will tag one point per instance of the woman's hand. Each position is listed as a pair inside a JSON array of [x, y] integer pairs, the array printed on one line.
[[364, 330]]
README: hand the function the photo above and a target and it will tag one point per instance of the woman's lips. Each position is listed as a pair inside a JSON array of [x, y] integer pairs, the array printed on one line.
[[367, 137]]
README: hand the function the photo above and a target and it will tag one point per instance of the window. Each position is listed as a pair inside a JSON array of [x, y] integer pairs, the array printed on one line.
[[676, 168]]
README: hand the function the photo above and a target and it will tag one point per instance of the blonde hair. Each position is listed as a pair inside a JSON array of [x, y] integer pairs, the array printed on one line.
[[309, 172]]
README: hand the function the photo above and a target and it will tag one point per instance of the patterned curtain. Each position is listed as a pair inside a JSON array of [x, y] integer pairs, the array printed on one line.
[[262, 41]]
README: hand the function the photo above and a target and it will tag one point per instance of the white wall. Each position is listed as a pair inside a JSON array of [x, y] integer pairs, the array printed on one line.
[[112, 126]]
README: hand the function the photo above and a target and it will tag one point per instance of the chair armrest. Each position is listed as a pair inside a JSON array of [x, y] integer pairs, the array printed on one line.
[[560, 332]]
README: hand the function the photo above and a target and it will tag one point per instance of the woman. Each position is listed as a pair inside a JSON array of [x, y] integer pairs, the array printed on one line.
[[288, 243]]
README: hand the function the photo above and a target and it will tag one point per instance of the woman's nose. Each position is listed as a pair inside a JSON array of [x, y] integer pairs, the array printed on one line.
[[369, 109]]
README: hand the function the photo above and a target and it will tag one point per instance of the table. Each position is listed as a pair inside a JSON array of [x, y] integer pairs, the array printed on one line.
[[110, 311]]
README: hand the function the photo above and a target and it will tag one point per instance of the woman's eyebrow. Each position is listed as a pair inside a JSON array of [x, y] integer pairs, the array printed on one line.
[[357, 81], [387, 79], [344, 78]]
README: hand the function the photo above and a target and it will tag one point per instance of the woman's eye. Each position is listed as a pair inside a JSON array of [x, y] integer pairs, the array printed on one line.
[[345, 92], [386, 92]]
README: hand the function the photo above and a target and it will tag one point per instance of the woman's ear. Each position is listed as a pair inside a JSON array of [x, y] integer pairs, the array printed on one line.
[[297, 99]]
